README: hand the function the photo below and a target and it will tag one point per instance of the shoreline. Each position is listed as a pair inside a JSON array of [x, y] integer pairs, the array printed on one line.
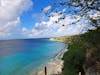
[[53, 66]]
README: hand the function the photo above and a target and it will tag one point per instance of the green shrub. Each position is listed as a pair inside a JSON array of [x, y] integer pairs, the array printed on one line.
[[75, 57]]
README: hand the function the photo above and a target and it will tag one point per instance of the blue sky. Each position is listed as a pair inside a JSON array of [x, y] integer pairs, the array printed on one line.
[[27, 19]]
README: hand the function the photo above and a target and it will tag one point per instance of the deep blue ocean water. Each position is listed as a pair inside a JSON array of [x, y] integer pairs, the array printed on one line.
[[20, 57]]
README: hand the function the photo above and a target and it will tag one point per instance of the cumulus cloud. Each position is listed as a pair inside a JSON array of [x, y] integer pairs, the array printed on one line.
[[10, 11], [94, 14], [24, 30], [72, 29], [47, 9], [41, 26], [39, 17], [59, 24], [8, 27]]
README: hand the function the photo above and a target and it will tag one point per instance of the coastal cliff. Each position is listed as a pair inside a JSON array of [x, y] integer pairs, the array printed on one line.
[[83, 55]]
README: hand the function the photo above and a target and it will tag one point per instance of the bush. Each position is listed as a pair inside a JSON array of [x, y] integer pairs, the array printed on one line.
[[75, 57]]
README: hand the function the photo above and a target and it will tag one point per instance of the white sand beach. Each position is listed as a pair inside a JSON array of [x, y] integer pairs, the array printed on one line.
[[54, 66]]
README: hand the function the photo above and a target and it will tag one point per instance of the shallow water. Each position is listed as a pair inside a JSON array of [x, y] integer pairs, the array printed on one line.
[[20, 57]]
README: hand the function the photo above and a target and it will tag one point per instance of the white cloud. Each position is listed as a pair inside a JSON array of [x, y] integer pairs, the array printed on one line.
[[24, 30], [39, 16], [41, 26], [48, 28], [95, 15], [10, 11], [70, 30], [51, 29], [8, 27], [47, 9]]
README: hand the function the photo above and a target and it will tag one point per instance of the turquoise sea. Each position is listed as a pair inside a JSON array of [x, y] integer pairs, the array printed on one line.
[[20, 57]]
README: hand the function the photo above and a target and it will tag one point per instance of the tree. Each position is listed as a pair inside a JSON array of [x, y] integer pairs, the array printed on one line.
[[81, 8]]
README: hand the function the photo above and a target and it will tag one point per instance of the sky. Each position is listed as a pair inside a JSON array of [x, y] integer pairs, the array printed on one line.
[[29, 19]]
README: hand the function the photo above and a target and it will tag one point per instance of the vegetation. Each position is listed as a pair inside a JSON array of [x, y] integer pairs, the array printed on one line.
[[82, 51], [80, 8], [65, 39]]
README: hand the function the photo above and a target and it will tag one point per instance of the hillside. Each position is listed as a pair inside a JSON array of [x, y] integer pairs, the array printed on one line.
[[83, 53], [65, 39]]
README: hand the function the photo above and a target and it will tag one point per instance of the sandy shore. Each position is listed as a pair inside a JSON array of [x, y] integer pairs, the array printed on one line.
[[54, 66]]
